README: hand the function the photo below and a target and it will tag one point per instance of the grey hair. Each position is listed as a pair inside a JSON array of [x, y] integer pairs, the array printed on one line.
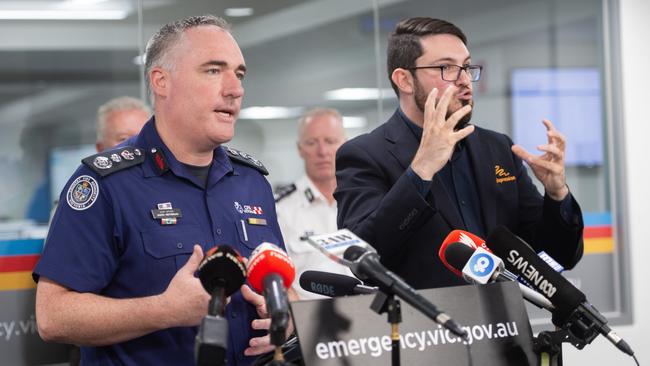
[[315, 112], [167, 37], [115, 105]]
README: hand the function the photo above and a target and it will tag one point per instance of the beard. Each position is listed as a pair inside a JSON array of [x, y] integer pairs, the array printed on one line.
[[421, 99]]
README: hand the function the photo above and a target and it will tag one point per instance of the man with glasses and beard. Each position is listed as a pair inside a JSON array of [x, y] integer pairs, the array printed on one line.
[[426, 171]]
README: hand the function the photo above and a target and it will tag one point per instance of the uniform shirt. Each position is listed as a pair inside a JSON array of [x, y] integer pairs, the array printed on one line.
[[104, 238], [303, 211]]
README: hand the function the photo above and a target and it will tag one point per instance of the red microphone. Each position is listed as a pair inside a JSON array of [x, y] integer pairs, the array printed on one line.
[[460, 236], [271, 272], [268, 258]]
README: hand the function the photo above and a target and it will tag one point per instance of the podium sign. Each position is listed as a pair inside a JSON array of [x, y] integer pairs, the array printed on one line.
[[345, 331]]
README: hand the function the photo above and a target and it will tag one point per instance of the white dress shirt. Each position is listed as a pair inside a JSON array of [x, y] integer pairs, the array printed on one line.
[[304, 211]]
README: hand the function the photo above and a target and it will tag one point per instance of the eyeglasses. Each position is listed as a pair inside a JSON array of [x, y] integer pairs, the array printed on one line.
[[452, 72]]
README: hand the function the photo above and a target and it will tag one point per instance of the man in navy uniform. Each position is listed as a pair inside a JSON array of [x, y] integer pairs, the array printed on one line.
[[117, 273], [407, 184]]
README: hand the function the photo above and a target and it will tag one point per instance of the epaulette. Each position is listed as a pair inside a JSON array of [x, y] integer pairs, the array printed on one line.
[[111, 161], [283, 191], [243, 158]]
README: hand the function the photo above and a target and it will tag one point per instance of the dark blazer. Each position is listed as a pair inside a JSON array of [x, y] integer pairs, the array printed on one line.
[[378, 202]]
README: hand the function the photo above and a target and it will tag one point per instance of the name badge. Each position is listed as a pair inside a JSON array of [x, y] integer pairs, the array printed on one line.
[[166, 214]]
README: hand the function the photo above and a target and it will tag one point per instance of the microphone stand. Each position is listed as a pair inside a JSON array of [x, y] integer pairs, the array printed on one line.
[[383, 303], [579, 330]]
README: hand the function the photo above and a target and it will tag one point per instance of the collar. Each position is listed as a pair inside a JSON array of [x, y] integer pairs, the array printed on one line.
[[306, 187], [161, 160]]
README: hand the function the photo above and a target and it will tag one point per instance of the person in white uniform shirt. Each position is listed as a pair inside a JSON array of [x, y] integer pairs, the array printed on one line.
[[307, 207]]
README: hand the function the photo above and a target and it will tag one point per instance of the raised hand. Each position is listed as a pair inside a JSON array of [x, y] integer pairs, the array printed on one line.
[[548, 167], [438, 135]]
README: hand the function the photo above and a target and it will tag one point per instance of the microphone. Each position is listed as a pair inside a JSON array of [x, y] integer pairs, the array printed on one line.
[[464, 237], [221, 273], [333, 245], [333, 284], [271, 272], [572, 308], [479, 266], [365, 265]]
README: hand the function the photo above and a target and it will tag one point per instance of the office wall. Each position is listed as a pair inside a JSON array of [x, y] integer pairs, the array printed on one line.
[[634, 31]]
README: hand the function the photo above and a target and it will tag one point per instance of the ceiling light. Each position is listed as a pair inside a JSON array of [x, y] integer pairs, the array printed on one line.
[[63, 14], [139, 59], [359, 94], [270, 112], [354, 122], [238, 12]]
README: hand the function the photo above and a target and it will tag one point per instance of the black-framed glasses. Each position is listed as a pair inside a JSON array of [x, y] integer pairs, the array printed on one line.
[[452, 72]]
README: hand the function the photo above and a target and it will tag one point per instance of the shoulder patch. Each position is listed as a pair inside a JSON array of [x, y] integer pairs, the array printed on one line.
[[245, 159], [82, 193], [283, 191], [111, 161]]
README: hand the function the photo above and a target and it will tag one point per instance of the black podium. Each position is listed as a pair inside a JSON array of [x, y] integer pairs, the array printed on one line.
[[344, 331]]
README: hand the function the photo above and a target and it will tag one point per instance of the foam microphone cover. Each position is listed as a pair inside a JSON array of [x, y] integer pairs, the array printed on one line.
[[464, 237], [268, 258], [222, 267], [520, 259], [455, 256], [352, 253], [340, 284]]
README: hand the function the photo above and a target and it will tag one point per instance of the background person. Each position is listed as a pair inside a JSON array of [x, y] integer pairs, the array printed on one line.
[[118, 119], [307, 207]]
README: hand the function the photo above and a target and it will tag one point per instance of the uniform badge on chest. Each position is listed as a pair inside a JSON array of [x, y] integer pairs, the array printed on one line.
[[166, 213], [248, 209]]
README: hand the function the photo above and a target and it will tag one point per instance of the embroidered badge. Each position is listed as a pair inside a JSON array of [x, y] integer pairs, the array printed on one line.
[[82, 193], [254, 210], [502, 175]]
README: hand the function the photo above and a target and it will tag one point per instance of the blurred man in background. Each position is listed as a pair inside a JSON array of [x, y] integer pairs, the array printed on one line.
[[307, 207], [118, 119]]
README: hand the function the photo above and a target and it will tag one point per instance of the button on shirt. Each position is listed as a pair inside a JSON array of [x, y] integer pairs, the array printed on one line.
[[115, 248], [302, 213]]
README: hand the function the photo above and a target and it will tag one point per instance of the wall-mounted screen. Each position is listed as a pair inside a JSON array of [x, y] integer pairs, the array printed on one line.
[[571, 99]]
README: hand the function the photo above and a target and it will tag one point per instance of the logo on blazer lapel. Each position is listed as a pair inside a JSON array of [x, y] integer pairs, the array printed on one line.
[[502, 175]]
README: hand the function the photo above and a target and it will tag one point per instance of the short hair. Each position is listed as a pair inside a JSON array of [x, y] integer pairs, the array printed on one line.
[[404, 45], [168, 36], [315, 112], [115, 105]]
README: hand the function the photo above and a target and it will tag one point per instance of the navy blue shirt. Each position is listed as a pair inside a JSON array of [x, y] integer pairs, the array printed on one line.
[[104, 239]]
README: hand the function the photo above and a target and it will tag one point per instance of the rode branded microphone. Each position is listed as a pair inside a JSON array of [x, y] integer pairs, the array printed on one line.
[[271, 272], [464, 237], [480, 266], [365, 265], [221, 273], [333, 284], [572, 309]]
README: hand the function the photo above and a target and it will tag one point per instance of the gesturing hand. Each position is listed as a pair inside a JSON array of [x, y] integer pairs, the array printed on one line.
[[549, 167], [438, 135]]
